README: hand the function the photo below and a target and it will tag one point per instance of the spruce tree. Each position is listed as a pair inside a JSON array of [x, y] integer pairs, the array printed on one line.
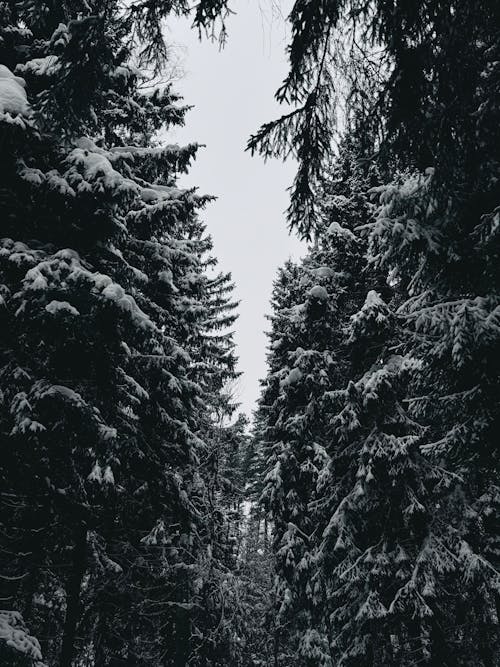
[[288, 404], [308, 346], [104, 297], [432, 101]]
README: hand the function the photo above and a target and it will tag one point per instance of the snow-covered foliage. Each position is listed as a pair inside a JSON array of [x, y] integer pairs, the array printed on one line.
[[13, 100], [115, 351], [312, 306], [14, 635], [390, 533], [124, 535]]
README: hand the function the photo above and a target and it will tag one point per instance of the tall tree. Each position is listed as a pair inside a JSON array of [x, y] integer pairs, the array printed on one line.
[[435, 238], [405, 69], [104, 297], [309, 361]]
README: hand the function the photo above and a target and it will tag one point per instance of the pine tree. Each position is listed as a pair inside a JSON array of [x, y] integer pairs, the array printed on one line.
[[104, 295], [215, 627], [288, 407], [404, 68], [454, 396], [390, 556], [432, 100], [375, 556], [255, 585], [309, 360]]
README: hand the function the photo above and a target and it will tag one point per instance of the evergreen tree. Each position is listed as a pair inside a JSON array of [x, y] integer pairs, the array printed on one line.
[[123, 477], [404, 67], [309, 360], [454, 395], [435, 238], [255, 585], [293, 459], [104, 299], [379, 495]]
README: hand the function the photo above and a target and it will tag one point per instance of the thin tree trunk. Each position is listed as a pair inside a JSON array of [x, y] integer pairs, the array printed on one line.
[[101, 632], [276, 648], [73, 597]]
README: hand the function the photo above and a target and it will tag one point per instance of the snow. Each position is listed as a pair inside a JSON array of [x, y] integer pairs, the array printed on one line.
[[55, 307], [31, 175], [127, 71], [98, 475], [13, 98], [247, 508], [373, 311], [65, 267], [91, 170], [318, 292], [371, 609], [324, 272], [98, 173], [171, 150], [95, 474], [40, 66], [335, 229], [149, 195], [61, 392], [60, 37], [108, 477], [125, 302], [373, 300], [158, 535], [295, 375], [59, 184], [166, 277], [138, 391], [14, 633], [107, 432], [296, 312]]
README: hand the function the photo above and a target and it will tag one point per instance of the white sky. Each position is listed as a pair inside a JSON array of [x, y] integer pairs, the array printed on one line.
[[232, 91]]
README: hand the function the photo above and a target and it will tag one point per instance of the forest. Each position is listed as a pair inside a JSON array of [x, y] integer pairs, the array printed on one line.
[[353, 519]]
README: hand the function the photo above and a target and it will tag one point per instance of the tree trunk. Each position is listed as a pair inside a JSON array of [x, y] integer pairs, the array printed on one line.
[[276, 648], [101, 633], [73, 597]]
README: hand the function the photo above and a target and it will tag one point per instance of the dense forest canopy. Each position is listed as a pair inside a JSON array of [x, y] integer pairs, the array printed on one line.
[[355, 521]]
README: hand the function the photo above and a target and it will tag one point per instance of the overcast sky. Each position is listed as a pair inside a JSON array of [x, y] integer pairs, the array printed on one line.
[[232, 91]]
